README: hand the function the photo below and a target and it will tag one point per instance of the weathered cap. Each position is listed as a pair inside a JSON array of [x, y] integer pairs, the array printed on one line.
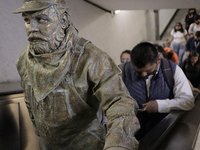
[[35, 5]]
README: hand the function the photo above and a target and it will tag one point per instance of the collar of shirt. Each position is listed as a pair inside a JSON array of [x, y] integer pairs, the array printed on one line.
[[148, 80]]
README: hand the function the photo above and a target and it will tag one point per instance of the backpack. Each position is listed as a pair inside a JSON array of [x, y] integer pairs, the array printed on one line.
[[168, 75]]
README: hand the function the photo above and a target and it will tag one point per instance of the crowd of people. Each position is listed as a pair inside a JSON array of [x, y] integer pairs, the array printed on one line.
[[156, 90], [187, 41], [157, 84]]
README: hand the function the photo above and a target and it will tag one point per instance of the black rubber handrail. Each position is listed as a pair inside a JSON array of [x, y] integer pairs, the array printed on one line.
[[155, 137]]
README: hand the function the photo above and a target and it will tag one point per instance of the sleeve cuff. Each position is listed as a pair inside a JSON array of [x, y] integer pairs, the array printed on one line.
[[163, 106]]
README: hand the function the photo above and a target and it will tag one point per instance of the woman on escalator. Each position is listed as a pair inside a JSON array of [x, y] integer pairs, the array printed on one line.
[[189, 19], [191, 68], [194, 27], [178, 40]]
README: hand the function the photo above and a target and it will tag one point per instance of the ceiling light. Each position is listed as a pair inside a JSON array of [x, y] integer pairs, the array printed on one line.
[[117, 11]]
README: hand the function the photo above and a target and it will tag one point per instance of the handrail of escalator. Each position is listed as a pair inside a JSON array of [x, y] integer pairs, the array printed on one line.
[[152, 140]]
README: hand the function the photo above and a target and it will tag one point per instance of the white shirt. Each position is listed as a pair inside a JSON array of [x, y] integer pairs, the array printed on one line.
[[193, 28], [183, 97], [179, 37]]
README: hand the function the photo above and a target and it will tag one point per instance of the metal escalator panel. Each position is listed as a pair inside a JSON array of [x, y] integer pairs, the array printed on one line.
[[9, 127], [16, 129]]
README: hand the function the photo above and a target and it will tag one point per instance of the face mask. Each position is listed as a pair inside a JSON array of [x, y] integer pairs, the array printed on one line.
[[197, 22], [124, 61], [149, 74], [191, 13]]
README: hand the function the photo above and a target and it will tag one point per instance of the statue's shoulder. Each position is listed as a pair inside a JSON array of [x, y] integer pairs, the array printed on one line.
[[99, 57], [94, 52]]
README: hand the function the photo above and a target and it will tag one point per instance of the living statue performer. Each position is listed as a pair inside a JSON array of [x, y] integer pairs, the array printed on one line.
[[67, 81]]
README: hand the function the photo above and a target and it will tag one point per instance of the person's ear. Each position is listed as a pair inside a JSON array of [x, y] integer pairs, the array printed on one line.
[[64, 21], [159, 59]]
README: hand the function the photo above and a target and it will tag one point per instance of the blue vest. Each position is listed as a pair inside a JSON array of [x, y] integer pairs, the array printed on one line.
[[159, 89], [137, 85]]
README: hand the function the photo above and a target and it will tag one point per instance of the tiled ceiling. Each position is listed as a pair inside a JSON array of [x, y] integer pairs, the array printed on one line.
[[145, 4]]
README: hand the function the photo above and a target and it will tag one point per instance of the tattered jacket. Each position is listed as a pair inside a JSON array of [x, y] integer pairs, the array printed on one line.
[[64, 98]]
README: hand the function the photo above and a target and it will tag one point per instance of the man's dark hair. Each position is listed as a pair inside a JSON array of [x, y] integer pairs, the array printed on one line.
[[170, 55], [144, 53], [197, 34], [126, 51]]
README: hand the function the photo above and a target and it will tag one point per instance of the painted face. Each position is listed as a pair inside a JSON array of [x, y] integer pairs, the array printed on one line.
[[194, 59], [43, 30], [125, 58]]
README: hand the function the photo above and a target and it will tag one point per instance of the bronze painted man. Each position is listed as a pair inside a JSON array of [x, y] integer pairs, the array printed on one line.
[[67, 81]]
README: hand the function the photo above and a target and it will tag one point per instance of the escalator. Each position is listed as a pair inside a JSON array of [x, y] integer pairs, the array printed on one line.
[[177, 131], [16, 129]]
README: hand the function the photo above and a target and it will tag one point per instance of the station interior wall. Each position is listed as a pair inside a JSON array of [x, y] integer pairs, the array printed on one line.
[[110, 33]]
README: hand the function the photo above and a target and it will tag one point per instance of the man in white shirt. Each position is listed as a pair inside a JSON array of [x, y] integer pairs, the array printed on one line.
[[146, 82]]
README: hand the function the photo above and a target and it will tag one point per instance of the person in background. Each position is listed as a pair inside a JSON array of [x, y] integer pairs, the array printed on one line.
[[178, 39], [167, 53], [193, 44], [194, 27], [161, 51], [124, 57], [171, 55], [189, 19], [191, 68], [144, 78]]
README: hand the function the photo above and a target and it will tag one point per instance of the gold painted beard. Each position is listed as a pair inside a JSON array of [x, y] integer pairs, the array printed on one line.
[[44, 45]]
